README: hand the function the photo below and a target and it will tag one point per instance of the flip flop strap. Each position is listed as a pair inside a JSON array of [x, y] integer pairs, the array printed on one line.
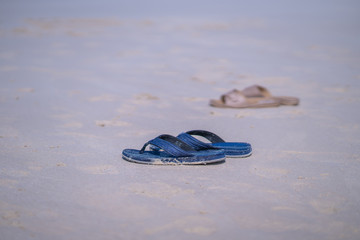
[[212, 137], [197, 144], [256, 91], [171, 145], [233, 97]]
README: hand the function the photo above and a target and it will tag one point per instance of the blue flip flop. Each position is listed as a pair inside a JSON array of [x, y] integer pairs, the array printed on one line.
[[175, 151], [232, 149]]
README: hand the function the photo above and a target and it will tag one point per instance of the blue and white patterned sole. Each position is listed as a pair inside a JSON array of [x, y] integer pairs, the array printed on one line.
[[239, 156], [172, 161]]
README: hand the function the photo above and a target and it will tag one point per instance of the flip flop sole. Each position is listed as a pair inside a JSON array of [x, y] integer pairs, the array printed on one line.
[[173, 161], [235, 149], [290, 101], [238, 156], [160, 158], [220, 104]]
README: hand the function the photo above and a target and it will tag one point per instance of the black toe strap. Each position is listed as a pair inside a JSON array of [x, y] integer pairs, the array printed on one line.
[[212, 137]]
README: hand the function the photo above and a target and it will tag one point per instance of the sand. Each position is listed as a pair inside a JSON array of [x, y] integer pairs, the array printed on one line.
[[79, 83]]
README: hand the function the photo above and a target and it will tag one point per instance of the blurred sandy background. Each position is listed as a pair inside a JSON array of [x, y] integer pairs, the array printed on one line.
[[82, 80]]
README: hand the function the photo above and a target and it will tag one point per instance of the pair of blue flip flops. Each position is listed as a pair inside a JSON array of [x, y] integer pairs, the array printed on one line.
[[187, 149]]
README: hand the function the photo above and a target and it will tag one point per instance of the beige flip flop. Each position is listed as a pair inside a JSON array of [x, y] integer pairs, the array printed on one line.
[[252, 97]]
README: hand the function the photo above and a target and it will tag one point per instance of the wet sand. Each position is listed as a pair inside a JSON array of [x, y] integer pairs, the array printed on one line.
[[77, 87]]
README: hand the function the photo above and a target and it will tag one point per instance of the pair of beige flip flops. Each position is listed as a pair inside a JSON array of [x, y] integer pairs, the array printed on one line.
[[252, 97]]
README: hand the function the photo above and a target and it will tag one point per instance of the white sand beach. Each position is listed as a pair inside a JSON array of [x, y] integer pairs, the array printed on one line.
[[81, 81]]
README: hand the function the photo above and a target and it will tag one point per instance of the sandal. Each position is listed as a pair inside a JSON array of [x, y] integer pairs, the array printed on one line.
[[252, 97], [174, 151]]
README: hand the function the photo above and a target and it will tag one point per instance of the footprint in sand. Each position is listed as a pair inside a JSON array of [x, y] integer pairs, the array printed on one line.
[[103, 98], [145, 97], [26, 90], [112, 123], [100, 169]]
